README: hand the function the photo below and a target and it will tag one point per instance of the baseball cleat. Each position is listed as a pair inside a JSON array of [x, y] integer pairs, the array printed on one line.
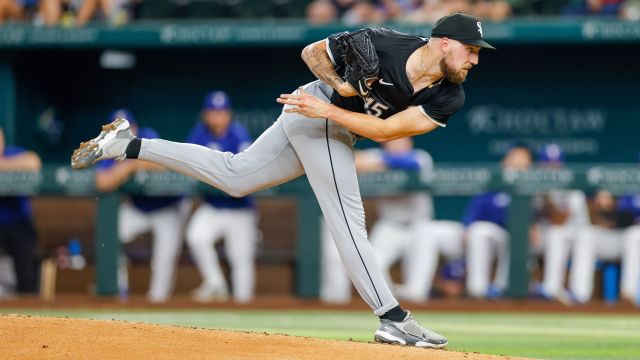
[[408, 332], [207, 293], [110, 144]]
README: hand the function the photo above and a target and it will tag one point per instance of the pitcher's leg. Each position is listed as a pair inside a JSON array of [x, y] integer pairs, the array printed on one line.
[[326, 151], [269, 161], [335, 286]]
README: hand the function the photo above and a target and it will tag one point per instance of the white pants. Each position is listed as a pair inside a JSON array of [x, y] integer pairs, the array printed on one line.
[[293, 145], [593, 243], [630, 283], [238, 227], [432, 239], [419, 245], [166, 225], [557, 241], [486, 240]]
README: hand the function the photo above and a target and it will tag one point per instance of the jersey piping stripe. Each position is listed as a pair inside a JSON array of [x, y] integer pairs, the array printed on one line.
[[429, 117], [329, 52], [333, 172]]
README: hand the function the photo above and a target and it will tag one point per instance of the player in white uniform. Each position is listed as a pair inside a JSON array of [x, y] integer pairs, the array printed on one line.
[[486, 234], [405, 230], [164, 216], [630, 282], [603, 240], [223, 216], [561, 214]]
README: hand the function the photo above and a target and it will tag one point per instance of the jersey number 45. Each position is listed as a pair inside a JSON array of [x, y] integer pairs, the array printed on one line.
[[373, 107]]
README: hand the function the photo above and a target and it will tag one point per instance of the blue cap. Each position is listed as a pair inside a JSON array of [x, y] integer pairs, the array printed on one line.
[[217, 100], [551, 153], [125, 114]]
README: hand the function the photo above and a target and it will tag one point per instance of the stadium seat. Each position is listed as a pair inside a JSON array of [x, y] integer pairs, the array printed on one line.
[[610, 281], [202, 9], [274, 8]]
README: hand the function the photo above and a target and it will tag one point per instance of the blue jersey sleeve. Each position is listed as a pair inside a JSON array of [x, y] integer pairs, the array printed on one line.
[[241, 136], [105, 164], [197, 134], [472, 210], [13, 151], [631, 204], [406, 161], [147, 133]]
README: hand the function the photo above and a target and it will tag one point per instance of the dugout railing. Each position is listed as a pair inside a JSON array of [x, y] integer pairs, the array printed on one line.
[[446, 180]]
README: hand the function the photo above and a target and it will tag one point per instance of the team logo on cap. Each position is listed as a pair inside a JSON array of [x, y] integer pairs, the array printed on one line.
[[480, 29]]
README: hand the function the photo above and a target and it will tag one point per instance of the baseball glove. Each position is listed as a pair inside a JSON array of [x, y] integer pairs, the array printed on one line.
[[361, 61]]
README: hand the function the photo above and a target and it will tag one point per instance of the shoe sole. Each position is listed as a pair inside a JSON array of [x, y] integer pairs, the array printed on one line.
[[386, 338], [91, 150]]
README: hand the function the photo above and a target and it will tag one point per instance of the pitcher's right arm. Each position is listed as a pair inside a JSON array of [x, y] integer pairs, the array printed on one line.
[[317, 58]]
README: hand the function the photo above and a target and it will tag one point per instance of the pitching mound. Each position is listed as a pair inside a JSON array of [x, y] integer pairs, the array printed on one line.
[[26, 337]]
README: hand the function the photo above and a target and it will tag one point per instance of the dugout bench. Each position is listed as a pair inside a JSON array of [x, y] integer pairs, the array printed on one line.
[[446, 180]]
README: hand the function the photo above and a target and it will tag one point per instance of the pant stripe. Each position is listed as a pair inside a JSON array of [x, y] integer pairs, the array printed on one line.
[[345, 215]]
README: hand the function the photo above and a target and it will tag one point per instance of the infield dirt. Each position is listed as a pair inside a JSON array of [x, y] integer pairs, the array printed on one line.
[[29, 337]]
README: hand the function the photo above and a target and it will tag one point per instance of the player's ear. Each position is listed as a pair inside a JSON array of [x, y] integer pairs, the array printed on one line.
[[444, 44]]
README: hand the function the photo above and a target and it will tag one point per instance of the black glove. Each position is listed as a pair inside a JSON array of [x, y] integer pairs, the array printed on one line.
[[361, 61]]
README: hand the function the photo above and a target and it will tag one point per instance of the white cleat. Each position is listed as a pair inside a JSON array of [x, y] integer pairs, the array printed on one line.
[[110, 144], [207, 293]]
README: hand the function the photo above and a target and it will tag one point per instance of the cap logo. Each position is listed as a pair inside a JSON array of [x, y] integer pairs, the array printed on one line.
[[480, 29], [218, 100]]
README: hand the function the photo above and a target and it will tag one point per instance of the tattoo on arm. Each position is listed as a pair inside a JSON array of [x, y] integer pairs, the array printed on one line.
[[318, 61]]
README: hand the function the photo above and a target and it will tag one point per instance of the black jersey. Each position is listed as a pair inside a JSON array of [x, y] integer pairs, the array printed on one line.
[[393, 92]]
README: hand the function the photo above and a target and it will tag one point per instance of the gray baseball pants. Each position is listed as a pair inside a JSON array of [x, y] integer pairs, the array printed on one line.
[[292, 146]]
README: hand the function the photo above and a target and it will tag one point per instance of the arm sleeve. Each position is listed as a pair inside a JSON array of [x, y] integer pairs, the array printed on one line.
[[105, 165], [244, 139], [12, 151], [148, 133], [441, 108], [407, 161], [194, 135]]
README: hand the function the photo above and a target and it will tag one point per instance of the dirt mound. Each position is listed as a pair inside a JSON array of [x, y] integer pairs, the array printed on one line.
[[26, 337]]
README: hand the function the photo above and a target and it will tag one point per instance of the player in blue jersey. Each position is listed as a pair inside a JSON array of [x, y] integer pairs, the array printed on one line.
[[486, 234], [223, 216], [162, 215], [17, 231]]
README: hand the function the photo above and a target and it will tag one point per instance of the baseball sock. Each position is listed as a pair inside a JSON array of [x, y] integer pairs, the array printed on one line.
[[395, 314], [133, 149]]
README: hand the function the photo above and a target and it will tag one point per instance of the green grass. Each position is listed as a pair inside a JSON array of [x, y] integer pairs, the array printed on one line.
[[549, 336]]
